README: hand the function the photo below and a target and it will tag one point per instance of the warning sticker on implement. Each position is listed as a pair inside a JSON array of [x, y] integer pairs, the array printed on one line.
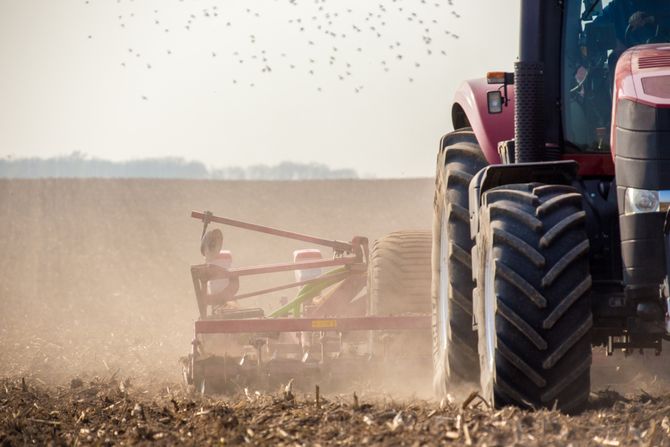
[[323, 324]]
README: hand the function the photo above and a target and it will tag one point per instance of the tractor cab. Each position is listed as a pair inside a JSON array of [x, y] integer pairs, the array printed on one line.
[[595, 35]]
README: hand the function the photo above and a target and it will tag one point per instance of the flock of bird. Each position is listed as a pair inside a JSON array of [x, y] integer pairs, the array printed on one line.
[[326, 40]]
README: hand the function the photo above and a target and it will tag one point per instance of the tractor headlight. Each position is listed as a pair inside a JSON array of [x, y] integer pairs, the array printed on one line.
[[641, 201], [495, 102]]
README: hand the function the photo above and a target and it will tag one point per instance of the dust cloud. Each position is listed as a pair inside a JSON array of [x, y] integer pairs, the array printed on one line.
[[96, 309], [95, 273]]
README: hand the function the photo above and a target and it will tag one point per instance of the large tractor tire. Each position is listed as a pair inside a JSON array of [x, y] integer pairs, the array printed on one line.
[[399, 284], [454, 341], [533, 305]]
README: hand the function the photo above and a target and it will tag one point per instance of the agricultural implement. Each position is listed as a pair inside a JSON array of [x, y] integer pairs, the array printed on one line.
[[335, 330]]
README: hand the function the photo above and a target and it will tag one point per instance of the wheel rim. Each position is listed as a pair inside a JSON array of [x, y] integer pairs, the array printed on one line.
[[443, 298], [489, 320]]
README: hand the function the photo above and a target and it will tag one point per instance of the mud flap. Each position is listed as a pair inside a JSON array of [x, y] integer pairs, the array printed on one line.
[[550, 172]]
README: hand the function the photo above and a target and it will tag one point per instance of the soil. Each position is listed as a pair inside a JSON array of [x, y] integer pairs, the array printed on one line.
[[97, 307], [106, 412]]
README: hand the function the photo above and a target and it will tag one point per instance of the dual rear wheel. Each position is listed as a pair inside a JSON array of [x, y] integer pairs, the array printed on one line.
[[531, 307], [455, 357]]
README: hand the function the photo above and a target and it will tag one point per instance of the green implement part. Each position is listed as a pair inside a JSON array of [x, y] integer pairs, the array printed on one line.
[[310, 291]]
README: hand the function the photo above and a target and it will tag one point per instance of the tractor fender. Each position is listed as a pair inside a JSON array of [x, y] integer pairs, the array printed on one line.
[[562, 172], [470, 109]]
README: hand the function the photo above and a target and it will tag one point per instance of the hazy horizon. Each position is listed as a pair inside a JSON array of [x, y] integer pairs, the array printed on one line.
[[73, 80], [77, 165]]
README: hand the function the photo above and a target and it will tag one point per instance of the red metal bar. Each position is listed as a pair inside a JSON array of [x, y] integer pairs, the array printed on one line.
[[337, 245], [312, 324], [275, 268], [210, 271], [214, 299]]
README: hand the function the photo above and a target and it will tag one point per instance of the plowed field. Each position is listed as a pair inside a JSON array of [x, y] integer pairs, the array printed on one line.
[[96, 307]]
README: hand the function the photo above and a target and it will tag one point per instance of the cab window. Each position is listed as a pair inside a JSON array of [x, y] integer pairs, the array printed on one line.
[[595, 34]]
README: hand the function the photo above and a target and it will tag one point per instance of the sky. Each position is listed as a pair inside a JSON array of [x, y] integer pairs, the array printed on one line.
[[355, 84]]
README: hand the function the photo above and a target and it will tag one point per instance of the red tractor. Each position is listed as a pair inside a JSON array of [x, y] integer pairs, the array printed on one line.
[[551, 223]]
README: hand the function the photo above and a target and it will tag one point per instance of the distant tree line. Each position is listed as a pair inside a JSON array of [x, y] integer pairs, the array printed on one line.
[[80, 165]]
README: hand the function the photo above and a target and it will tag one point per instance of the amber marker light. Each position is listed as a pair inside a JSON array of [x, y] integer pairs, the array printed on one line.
[[495, 77]]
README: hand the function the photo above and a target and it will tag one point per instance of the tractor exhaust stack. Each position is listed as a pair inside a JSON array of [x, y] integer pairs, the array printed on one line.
[[529, 140]]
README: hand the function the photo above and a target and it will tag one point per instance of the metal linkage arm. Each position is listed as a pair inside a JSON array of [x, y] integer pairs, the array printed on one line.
[[334, 244]]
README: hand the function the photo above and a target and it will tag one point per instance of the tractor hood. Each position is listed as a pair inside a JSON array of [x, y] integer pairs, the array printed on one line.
[[641, 151], [641, 109], [641, 97], [643, 75]]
